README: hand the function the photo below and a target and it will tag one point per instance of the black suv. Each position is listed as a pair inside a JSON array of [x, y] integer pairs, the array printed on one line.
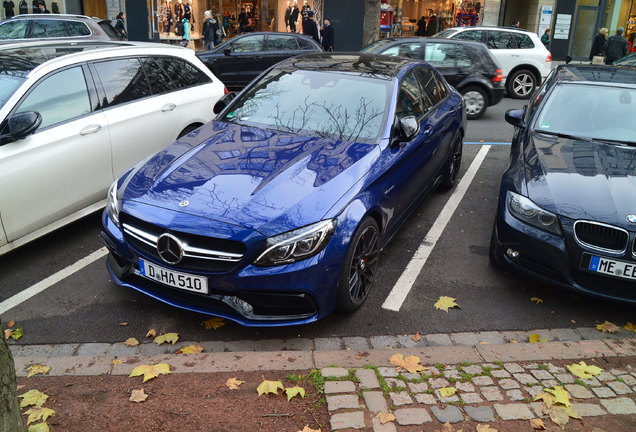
[[23, 28], [467, 66]]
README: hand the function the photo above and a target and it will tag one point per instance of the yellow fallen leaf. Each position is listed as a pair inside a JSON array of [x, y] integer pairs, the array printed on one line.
[[151, 333], [8, 333], [584, 371], [416, 337], [537, 424], [385, 417], [572, 413], [447, 427], [483, 343], [294, 391], [116, 361], [14, 333], [10, 324], [548, 399], [38, 414], [513, 341], [131, 342], [40, 427], [167, 338], [410, 363], [150, 371], [32, 398], [269, 387], [537, 300], [561, 396], [445, 302], [630, 327], [485, 428], [190, 349], [37, 369], [607, 327], [559, 415], [233, 383], [535, 338], [138, 396], [214, 323], [447, 391], [308, 429]]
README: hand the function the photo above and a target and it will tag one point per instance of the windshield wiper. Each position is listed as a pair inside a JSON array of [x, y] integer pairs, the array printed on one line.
[[563, 135], [616, 141]]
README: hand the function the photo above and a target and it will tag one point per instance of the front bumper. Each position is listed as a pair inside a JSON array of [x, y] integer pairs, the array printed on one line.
[[559, 261]]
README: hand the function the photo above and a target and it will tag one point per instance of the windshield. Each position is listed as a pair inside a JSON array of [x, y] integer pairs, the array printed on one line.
[[336, 105], [445, 33], [590, 111], [13, 72], [375, 46], [628, 60]]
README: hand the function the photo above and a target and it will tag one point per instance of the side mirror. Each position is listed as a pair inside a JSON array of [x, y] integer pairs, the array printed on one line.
[[21, 125], [223, 102], [515, 117], [227, 51], [410, 127]]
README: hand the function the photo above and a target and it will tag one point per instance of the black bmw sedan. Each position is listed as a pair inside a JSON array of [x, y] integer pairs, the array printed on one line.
[[567, 202]]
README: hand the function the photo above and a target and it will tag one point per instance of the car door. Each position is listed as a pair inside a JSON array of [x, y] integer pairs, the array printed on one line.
[[142, 119], [405, 49], [450, 59], [242, 62], [65, 166], [279, 47]]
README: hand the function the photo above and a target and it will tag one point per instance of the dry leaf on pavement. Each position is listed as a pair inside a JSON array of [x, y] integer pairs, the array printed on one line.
[[561, 396], [559, 415], [167, 338], [37, 369], [233, 383], [485, 428], [447, 391], [445, 302], [138, 396], [40, 427], [32, 398], [117, 361], [294, 391], [416, 337], [630, 327], [269, 387], [214, 323], [447, 427], [190, 349], [584, 371], [410, 363], [150, 371], [10, 324], [535, 338], [38, 414], [123, 324], [385, 417], [151, 333], [537, 424], [308, 429], [131, 342], [537, 300], [607, 327]]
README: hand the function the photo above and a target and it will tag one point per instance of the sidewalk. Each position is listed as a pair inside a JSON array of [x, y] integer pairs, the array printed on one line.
[[495, 381]]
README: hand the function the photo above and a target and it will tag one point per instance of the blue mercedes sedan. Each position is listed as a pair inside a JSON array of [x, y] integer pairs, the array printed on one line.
[[275, 213], [567, 202]]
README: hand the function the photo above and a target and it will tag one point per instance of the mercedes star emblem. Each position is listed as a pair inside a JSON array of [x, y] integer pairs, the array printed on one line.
[[184, 203], [169, 248]]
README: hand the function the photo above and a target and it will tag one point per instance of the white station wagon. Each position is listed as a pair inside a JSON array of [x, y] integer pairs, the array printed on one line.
[[75, 116]]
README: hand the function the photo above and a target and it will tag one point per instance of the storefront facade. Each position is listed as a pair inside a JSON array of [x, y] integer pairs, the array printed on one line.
[[97, 8]]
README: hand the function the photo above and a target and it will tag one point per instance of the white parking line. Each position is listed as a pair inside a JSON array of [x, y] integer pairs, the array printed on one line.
[[23, 296], [404, 284]]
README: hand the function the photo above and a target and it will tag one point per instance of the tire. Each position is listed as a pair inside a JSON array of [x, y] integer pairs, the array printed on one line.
[[521, 84], [188, 129], [359, 267], [450, 172], [476, 102], [492, 250]]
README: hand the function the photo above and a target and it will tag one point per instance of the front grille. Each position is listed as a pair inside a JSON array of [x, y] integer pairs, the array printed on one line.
[[601, 236], [203, 254]]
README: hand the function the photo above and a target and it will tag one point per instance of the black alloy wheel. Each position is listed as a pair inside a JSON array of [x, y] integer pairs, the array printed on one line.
[[359, 267], [450, 172]]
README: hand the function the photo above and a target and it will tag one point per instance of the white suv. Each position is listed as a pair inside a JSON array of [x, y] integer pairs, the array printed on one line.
[[525, 61], [75, 116]]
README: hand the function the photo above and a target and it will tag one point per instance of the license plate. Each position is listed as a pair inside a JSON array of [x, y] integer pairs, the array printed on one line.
[[172, 278], [612, 267]]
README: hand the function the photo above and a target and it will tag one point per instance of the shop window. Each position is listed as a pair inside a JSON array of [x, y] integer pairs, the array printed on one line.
[[123, 80], [159, 80], [47, 29], [249, 43], [182, 73], [281, 43], [60, 97], [411, 50], [501, 40], [469, 35], [13, 29], [76, 28]]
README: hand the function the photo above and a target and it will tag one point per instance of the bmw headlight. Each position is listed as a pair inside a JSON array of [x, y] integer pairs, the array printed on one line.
[[296, 245], [113, 205], [527, 211]]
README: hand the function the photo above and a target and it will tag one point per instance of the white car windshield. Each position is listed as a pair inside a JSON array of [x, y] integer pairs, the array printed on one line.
[[13, 72], [336, 105], [590, 112]]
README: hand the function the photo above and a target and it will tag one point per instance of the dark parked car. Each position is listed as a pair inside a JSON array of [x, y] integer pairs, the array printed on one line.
[[22, 28], [275, 212], [239, 60], [567, 203], [467, 66]]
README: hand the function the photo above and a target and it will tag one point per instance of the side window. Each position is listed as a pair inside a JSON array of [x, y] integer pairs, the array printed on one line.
[[59, 97], [524, 41], [281, 43], [124, 81], [47, 29], [411, 50], [182, 73], [76, 28], [537, 96], [446, 55], [306, 45], [410, 102], [249, 43], [470, 35], [433, 87], [501, 40], [159, 80], [13, 29]]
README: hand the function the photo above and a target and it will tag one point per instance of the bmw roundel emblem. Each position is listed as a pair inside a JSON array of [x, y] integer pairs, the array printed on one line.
[[631, 218], [184, 203]]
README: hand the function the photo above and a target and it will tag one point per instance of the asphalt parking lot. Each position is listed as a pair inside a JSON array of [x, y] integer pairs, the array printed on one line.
[[85, 306]]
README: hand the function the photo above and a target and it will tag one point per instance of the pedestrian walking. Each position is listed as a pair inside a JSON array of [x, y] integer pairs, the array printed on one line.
[[545, 38], [327, 35], [598, 43], [185, 38], [119, 25], [615, 47], [210, 26], [421, 27], [310, 28]]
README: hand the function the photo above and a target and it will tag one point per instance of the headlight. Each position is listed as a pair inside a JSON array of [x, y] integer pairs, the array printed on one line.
[[526, 211], [112, 207], [296, 245]]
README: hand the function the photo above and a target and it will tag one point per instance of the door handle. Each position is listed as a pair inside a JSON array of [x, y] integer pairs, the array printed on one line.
[[168, 107], [90, 129], [428, 130]]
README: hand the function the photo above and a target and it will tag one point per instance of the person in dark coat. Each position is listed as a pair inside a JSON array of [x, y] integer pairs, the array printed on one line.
[[327, 34], [421, 27], [210, 26], [598, 43], [615, 47], [310, 28], [119, 25]]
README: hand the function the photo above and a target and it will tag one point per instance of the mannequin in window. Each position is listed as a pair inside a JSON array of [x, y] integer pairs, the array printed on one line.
[[187, 12], [293, 17], [287, 16], [168, 20], [304, 13], [54, 8], [178, 11], [23, 8], [8, 8]]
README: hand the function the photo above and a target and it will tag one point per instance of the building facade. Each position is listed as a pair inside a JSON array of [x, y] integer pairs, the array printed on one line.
[[97, 8]]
